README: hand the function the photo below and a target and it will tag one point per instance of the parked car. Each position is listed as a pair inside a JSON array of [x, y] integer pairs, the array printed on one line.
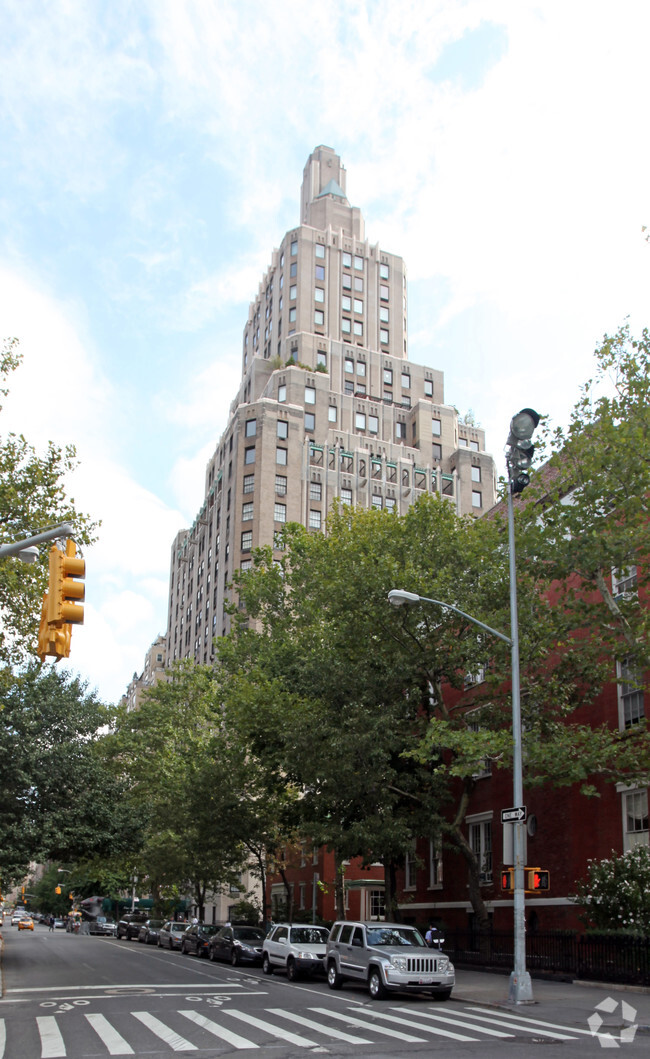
[[388, 957], [170, 934], [197, 938], [130, 924], [148, 932], [16, 918], [59, 924], [103, 927], [237, 945], [298, 950], [26, 923]]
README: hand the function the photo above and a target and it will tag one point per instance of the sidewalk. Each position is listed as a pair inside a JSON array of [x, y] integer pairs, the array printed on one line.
[[564, 1002]]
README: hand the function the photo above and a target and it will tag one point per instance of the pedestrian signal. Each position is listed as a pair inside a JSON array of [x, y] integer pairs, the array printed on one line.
[[508, 880], [537, 879]]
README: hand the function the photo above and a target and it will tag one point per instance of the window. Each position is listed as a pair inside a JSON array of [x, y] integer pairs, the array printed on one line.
[[249, 455], [462, 442], [279, 512], [331, 414], [315, 491], [349, 388], [630, 694], [635, 818], [406, 381], [384, 336], [282, 428], [361, 369], [373, 424], [436, 427], [428, 388], [435, 863], [292, 292], [319, 294], [480, 840], [319, 250], [346, 303], [310, 395], [358, 263], [383, 314], [390, 503], [314, 520], [282, 393], [436, 451], [384, 292], [358, 327], [360, 421], [383, 271], [347, 260], [477, 499], [294, 247], [292, 316], [377, 501], [319, 317], [346, 326], [346, 281], [358, 283], [400, 431], [321, 359], [281, 456], [624, 582], [310, 421], [349, 366], [377, 904], [247, 512], [358, 305], [293, 270], [346, 496], [280, 485], [474, 446], [320, 272], [251, 428], [476, 474], [247, 541], [249, 483], [388, 376]]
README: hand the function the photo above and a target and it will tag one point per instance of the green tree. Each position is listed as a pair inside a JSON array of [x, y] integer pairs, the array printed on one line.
[[32, 497], [616, 893]]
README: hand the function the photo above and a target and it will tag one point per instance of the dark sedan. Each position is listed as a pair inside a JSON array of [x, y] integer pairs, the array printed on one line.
[[129, 925], [149, 931], [197, 938], [237, 945]]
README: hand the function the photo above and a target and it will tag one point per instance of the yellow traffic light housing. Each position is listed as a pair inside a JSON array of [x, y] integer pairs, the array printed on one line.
[[508, 880], [57, 889], [537, 879], [65, 589]]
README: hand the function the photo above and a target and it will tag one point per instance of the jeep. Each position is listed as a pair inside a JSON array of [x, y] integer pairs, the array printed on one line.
[[388, 957]]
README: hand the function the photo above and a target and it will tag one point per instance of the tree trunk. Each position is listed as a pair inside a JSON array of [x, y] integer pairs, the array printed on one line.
[[289, 893], [391, 909], [339, 889], [473, 867]]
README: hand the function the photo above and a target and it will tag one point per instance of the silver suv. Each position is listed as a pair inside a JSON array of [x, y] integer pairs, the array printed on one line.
[[389, 957], [298, 949]]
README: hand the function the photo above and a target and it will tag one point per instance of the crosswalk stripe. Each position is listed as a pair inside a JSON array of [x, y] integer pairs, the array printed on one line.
[[340, 1035], [439, 1032], [459, 1021], [536, 1022], [109, 1036], [384, 1030], [521, 1026], [52, 1046], [3, 1038], [218, 1031], [285, 1035], [175, 1042]]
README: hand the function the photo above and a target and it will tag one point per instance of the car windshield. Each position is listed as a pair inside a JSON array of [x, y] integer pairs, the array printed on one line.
[[179, 927], [309, 935], [209, 928], [395, 936], [248, 934], [155, 923]]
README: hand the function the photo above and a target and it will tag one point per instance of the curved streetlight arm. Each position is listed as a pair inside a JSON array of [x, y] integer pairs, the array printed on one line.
[[398, 597], [26, 545]]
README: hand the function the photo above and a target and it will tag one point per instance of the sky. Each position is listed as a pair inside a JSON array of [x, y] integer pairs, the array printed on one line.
[[151, 155]]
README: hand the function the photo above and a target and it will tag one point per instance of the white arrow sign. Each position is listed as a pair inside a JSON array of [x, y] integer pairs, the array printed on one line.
[[511, 816]]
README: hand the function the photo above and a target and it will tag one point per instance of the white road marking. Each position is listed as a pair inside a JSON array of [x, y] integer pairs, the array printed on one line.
[[439, 1032], [52, 1045], [218, 1031], [460, 1021], [532, 1027], [174, 1040], [384, 1030], [340, 1035], [535, 1022], [113, 1040], [284, 1035], [3, 1037]]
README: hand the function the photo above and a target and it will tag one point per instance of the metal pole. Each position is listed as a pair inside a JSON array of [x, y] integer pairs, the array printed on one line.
[[65, 530], [521, 989]]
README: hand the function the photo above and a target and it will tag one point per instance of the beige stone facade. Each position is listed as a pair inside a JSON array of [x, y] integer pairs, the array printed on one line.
[[153, 671], [328, 406]]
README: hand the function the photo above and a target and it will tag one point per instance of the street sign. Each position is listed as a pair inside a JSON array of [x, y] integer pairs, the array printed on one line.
[[512, 816]]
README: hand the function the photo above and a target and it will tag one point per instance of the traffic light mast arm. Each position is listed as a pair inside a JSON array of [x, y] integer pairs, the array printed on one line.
[[65, 530]]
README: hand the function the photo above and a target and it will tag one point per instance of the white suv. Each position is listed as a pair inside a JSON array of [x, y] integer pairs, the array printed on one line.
[[298, 949], [389, 957]]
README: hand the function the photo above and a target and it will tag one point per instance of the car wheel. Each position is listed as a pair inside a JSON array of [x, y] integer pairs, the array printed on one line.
[[376, 987], [334, 979], [234, 958], [292, 970], [443, 994], [266, 964]]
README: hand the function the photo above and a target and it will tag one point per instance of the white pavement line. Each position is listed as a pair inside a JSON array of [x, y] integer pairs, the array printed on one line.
[[284, 1035], [218, 1031], [52, 1045], [535, 1022], [384, 1030], [3, 1038], [532, 1026], [339, 1035], [460, 1021], [115, 1043], [175, 1042], [439, 1032]]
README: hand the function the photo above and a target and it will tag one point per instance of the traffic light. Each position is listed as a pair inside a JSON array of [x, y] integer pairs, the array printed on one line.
[[520, 449], [64, 586], [508, 880], [57, 889], [537, 879]]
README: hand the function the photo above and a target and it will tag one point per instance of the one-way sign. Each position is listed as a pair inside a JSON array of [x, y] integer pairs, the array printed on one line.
[[511, 816]]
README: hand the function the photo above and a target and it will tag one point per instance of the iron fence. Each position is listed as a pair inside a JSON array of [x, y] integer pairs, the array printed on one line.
[[598, 957]]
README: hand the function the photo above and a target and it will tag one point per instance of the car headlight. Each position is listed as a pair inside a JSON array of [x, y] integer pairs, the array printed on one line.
[[399, 963], [302, 955], [443, 964]]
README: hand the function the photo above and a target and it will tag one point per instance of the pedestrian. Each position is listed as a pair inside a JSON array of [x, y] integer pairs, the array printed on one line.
[[431, 936], [51, 922]]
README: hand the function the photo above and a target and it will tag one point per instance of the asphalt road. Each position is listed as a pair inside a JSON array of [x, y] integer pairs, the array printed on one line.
[[85, 997]]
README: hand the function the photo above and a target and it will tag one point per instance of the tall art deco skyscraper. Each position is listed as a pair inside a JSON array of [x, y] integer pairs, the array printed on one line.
[[328, 406]]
